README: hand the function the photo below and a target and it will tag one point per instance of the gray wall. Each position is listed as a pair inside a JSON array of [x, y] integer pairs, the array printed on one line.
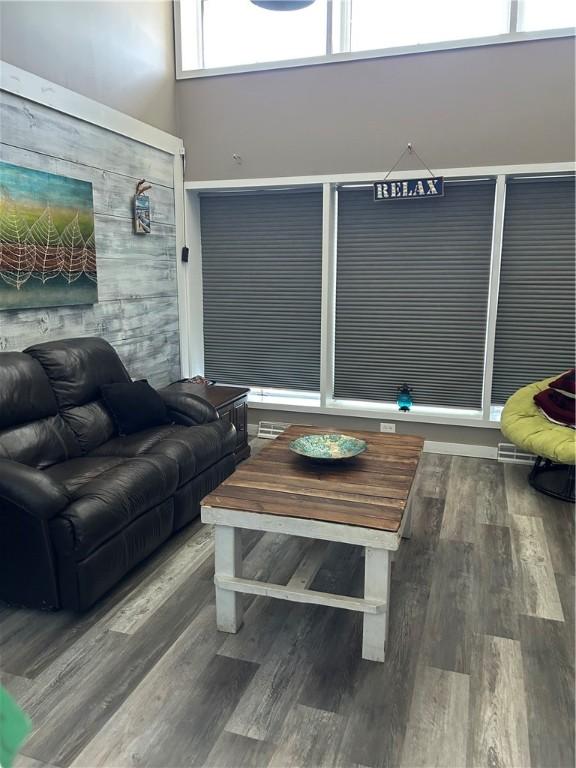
[[442, 433], [479, 106], [137, 310], [118, 53]]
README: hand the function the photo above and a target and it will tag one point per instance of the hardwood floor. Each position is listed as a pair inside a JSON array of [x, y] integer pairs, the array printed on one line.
[[479, 669]]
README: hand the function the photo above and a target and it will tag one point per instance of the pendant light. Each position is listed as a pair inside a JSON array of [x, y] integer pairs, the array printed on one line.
[[282, 5]]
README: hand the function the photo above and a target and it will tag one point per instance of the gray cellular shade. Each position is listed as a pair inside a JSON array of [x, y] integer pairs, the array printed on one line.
[[535, 323], [412, 294], [262, 273]]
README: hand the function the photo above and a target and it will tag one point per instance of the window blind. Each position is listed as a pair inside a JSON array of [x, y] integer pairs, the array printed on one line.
[[411, 295], [535, 322], [262, 272]]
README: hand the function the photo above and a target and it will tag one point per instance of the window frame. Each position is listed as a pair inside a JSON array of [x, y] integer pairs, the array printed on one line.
[[513, 35], [324, 402]]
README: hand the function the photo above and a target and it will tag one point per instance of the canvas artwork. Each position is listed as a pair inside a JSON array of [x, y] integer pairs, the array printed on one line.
[[47, 246]]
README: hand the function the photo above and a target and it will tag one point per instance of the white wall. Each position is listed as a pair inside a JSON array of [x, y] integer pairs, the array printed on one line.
[[118, 53]]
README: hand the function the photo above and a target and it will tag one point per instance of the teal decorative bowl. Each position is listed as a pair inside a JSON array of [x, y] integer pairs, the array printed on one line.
[[327, 447]]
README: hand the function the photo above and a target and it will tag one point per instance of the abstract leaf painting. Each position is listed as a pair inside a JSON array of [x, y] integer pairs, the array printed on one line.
[[47, 245]]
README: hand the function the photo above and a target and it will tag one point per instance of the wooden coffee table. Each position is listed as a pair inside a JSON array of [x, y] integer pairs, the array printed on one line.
[[363, 501]]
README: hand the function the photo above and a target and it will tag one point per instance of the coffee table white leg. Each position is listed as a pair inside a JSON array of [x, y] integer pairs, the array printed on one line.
[[228, 562], [376, 587], [407, 527]]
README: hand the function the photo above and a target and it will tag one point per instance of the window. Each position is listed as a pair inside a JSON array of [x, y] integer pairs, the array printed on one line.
[[377, 24], [217, 36], [412, 295], [546, 14], [262, 273], [238, 32], [535, 322], [465, 298]]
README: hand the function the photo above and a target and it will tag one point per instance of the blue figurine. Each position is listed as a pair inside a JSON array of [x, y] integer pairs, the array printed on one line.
[[404, 398]]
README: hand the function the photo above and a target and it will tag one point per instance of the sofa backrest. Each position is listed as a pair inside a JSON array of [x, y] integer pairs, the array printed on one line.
[[77, 368], [31, 429]]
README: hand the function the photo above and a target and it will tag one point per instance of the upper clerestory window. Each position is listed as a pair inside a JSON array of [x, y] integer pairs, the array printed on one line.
[[224, 36]]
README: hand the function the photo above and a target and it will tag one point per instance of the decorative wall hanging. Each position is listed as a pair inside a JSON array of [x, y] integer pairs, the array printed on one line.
[[406, 189], [142, 225], [47, 246]]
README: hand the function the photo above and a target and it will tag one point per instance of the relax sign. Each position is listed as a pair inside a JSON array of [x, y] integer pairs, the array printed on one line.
[[412, 188]]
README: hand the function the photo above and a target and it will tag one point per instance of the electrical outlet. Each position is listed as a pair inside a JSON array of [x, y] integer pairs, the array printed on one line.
[[387, 426]]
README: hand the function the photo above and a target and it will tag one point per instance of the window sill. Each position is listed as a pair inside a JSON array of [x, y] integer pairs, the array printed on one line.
[[267, 400], [516, 37]]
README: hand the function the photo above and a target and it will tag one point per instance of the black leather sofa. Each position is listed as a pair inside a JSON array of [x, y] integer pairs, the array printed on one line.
[[79, 505]]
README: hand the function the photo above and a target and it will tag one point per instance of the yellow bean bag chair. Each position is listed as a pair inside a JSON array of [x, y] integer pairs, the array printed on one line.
[[553, 445], [524, 425]]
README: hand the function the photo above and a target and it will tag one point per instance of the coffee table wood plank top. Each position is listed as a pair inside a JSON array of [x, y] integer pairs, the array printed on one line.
[[363, 501], [370, 490]]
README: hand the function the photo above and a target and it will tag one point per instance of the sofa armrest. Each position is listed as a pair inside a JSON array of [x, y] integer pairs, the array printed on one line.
[[186, 408], [29, 498], [31, 490]]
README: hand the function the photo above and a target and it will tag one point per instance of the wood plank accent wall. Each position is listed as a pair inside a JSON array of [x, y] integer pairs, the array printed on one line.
[[137, 310]]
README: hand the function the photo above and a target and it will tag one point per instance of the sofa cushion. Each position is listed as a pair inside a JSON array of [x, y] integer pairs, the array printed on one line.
[[25, 391], [77, 368], [31, 431], [566, 383], [194, 449], [77, 472], [91, 424], [39, 444], [108, 493], [134, 406], [556, 407]]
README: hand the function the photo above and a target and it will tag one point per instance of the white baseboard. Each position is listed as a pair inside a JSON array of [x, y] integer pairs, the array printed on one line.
[[461, 449]]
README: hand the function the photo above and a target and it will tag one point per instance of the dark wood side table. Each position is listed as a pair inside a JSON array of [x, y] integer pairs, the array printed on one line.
[[232, 406]]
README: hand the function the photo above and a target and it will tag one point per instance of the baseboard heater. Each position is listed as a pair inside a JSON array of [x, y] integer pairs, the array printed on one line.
[[508, 453], [271, 429]]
